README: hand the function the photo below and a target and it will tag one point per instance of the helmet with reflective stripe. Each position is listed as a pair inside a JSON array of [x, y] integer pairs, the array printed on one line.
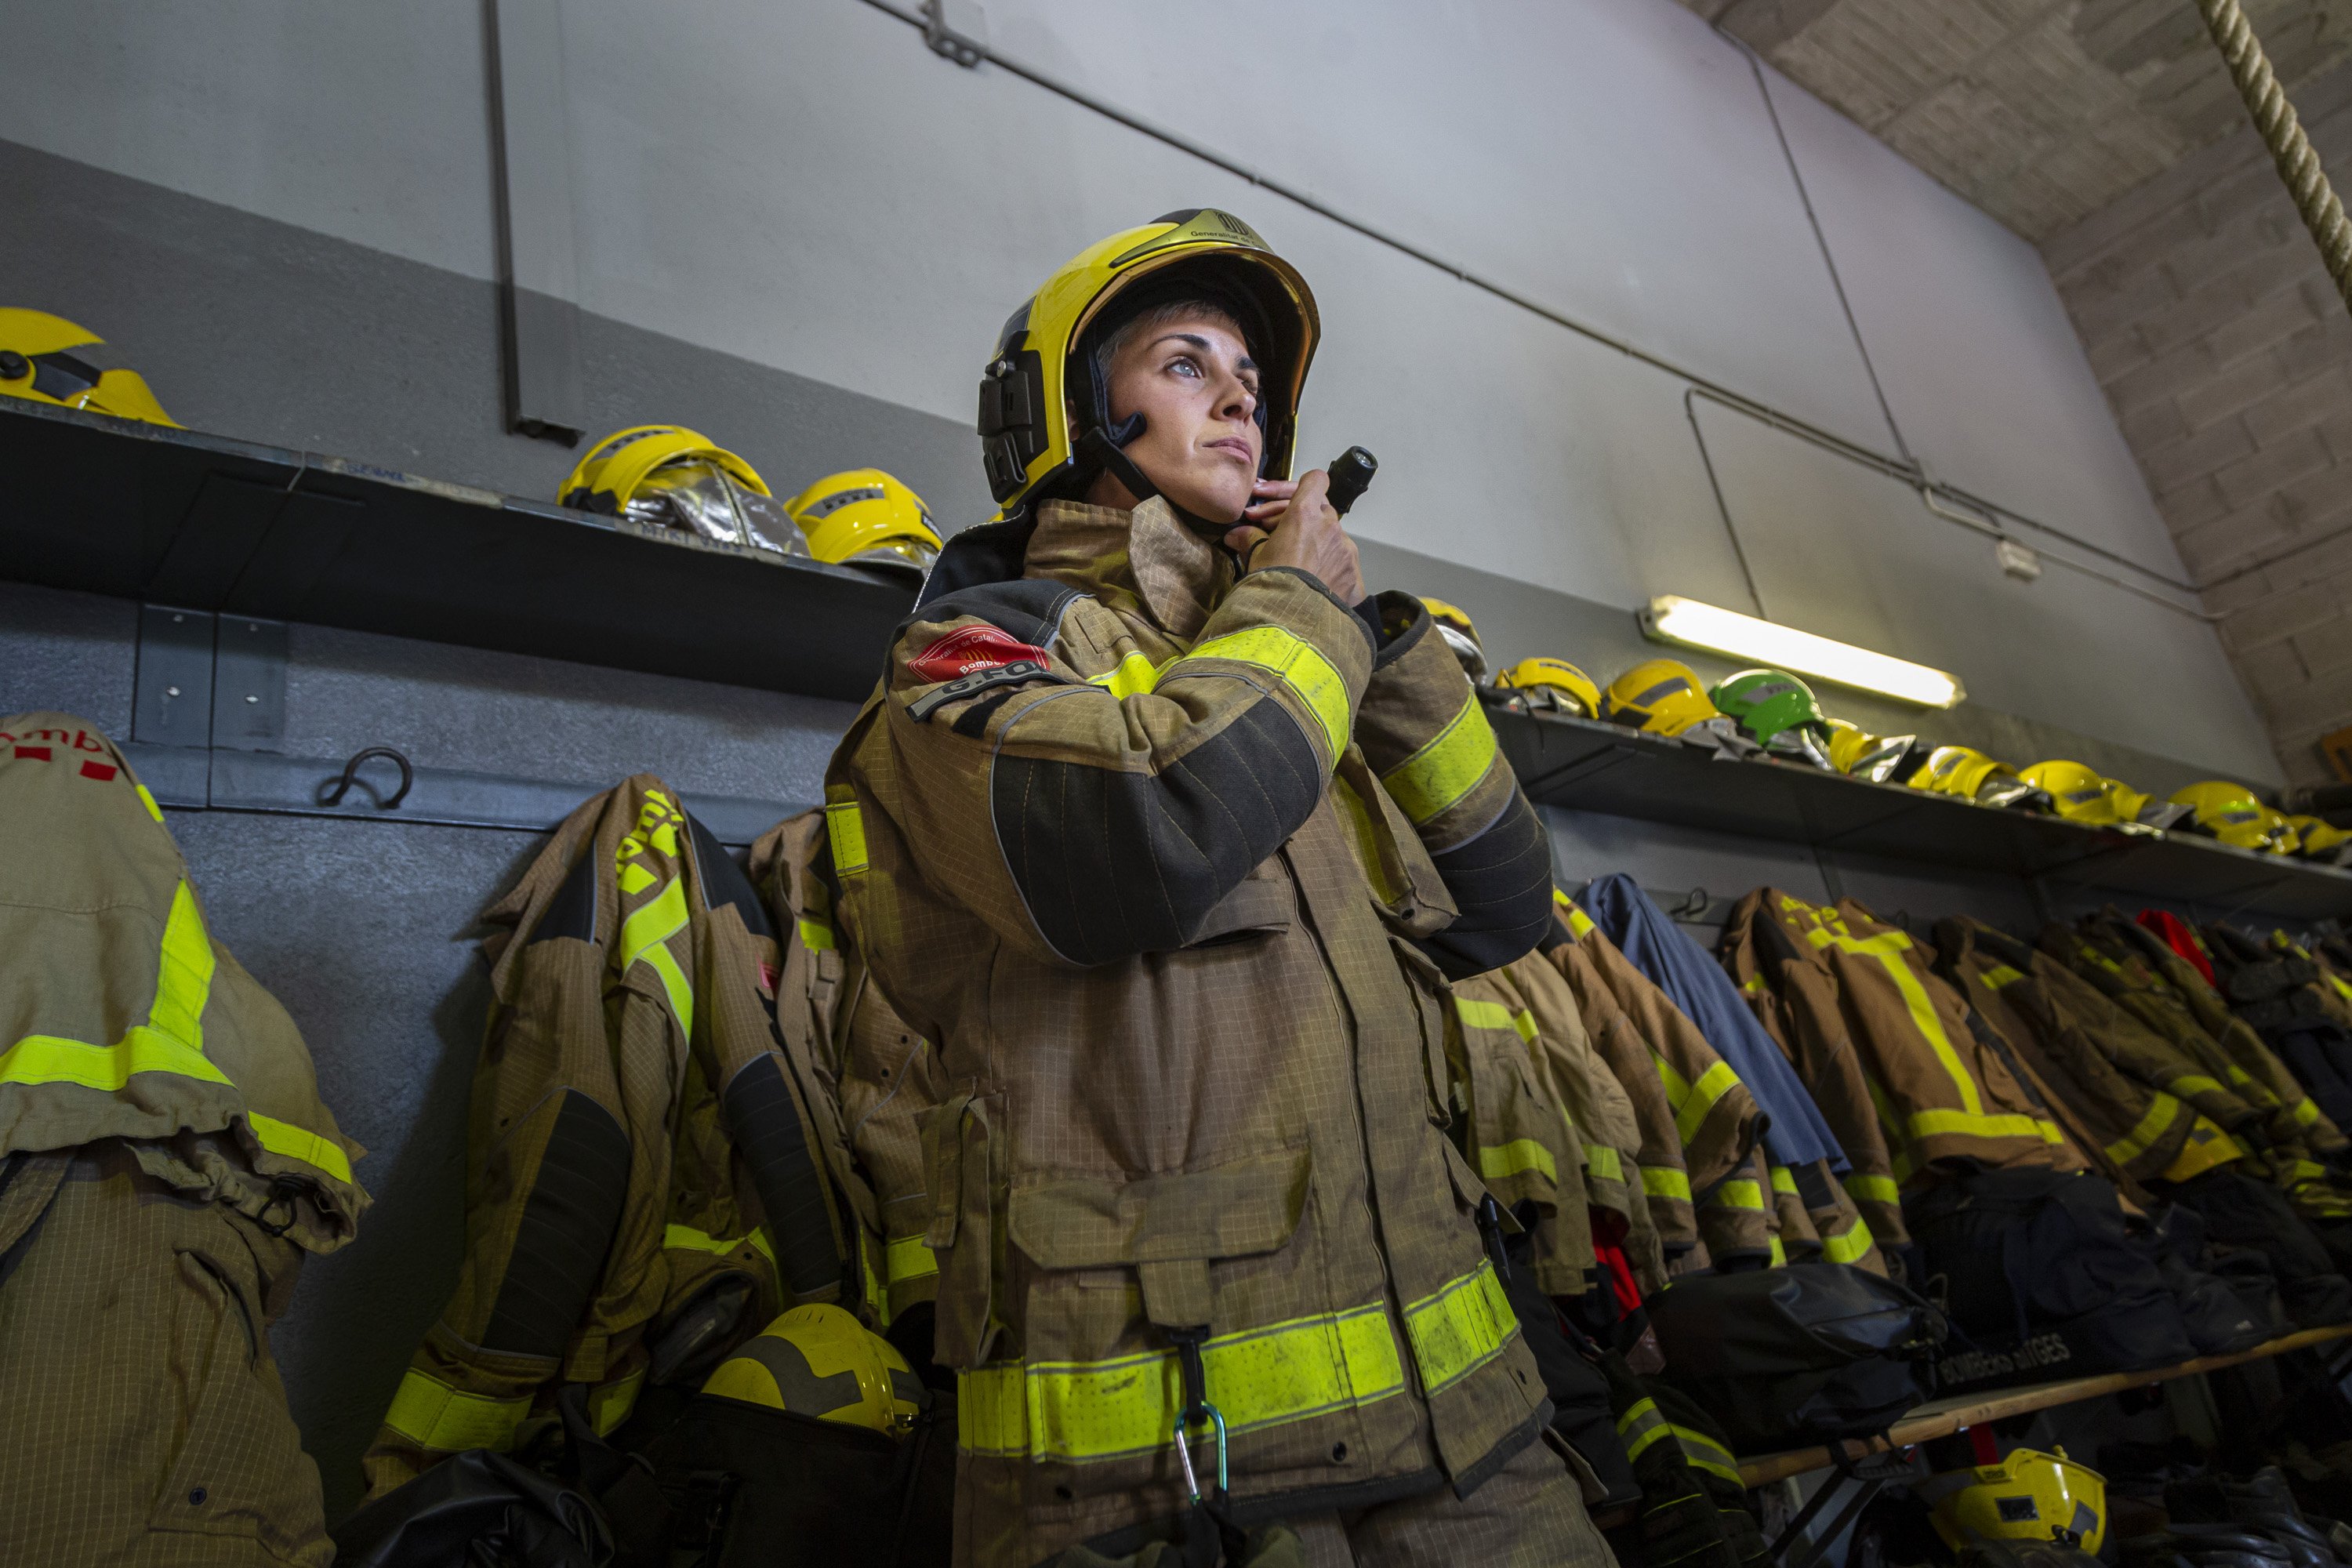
[[1768, 703], [1660, 695], [1454, 625], [867, 518], [1859, 754], [2028, 1496], [1965, 772], [35, 365], [820, 1360], [609, 475], [2231, 813], [2079, 792], [2321, 838], [1552, 683], [1044, 411]]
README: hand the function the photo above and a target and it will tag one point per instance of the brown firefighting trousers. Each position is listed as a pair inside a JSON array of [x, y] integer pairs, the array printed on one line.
[[145, 1423]]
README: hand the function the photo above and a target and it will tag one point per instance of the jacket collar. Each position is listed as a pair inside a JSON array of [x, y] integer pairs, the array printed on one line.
[[1147, 558]]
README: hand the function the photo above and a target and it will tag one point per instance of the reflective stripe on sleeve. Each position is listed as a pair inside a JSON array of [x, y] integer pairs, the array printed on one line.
[[1479, 1014], [1497, 1161], [1604, 1162], [844, 831], [2306, 1113], [1706, 1453], [1455, 1331], [1779, 1253], [1692, 1102], [1299, 664], [1665, 1182], [300, 1143], [1099, 1410], [1851, 1247], [610, 1406], [910, 1258], [1783, 1180], [1641, 1427], [1999, 976], [434, 1416], [1446, 768], [1873, 1189], [1736, 1194], [2163, 1111]]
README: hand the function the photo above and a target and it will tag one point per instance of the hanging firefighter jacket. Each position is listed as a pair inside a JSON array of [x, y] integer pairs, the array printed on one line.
[[1942, 1091], [2280, 993], [1618, 1043], [2052, 1023], [872, 1076], [646, 1183], [165, 1165], [2181, 936], [1598, 1105], [1718, 1122], [1523, 1141]]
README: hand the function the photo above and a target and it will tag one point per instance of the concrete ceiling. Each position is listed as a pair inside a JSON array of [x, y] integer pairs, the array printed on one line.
[[2038, 111]]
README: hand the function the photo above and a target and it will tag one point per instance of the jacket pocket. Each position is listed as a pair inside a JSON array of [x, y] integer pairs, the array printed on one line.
[[1261, 904], [961, 1153], [1169, 1228]]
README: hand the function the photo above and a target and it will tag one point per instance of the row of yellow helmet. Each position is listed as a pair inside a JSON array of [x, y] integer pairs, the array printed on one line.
[[1775, 713], [38, 363], [672, 477]]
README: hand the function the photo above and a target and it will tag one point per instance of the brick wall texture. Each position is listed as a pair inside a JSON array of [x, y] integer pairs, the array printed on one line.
[[2227, 356]]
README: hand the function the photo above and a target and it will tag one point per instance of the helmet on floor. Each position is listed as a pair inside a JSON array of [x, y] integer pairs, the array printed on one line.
[[672, 477], [2231, 813], [1454, 625], [1045, 409], [1660, 695], [1553, 684], [2028, 1496], [35, 365], [864, 517], [1776, 710], [1857, 754], [820, 1360]]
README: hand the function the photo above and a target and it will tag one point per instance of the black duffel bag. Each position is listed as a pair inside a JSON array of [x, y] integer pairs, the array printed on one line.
[[1784, 1357]]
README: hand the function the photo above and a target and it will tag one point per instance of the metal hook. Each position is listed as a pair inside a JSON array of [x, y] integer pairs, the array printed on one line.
[[1694, 906], [342, 786]]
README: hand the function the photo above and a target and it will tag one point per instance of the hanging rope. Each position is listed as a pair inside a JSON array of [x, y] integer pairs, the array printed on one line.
[[2298, 165]]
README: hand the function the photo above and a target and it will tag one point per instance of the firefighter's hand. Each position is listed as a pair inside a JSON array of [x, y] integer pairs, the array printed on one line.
[[1292, 524]]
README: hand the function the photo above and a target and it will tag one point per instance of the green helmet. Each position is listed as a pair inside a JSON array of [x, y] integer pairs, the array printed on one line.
[[1776, 710]]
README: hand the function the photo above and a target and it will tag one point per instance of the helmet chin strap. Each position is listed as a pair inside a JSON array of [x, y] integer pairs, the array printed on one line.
[[1105, 451]]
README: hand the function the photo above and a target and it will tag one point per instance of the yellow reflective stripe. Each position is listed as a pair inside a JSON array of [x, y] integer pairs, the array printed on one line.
[[1999, 975], [2304, 1171], [172, 1039], [2196, 1083], [1263, 1378], [432, 1415], [1753, 986], [1460, 1328], [1299, 665], [1875, 1189], [2239, 1075], [2306, 1113], [156, 812], [910, 1258], [1697, 1100], [1640, 1427], [643, 935], [1736, 1194], [1888, 947], [1580, 924], [2163, 1111], [1604, 1162], [1482, 1015], [844, 830], [300, 1143], [816, 935], [1134, 676], [1706, 1453], [1665, 1182], [1850, 1248], [1783, 1180], [1446, 769], [1779, 1253], [1962, 1124], [1497, 1161], [2343, 989], [610, 1406]]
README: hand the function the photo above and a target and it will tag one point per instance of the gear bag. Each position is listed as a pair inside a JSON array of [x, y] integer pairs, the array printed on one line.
[[1784, 1357], [2043, 1279]]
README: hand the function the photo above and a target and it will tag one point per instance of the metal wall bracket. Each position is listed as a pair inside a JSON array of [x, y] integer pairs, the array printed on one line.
[[250, 684], [956, 29], [172, 692]]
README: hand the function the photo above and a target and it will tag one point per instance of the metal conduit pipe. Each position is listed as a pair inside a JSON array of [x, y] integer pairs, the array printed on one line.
[[972, 52]]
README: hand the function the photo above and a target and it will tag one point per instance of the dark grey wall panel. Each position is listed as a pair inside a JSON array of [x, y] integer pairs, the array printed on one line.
[[68, 651]]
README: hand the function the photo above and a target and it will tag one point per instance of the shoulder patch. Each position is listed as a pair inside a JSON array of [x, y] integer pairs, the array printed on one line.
[[973, 650]]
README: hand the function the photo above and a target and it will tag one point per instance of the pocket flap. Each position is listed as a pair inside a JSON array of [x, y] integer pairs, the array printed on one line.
[[1248, 1206], [1259, 903]]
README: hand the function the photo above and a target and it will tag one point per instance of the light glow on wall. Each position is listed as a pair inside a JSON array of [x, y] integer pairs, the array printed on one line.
[[1675, 619]]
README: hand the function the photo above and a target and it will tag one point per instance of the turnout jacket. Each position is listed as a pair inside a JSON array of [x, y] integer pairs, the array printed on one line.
[[640, 1154], [1525, 1143], [1167, 866], [126, 1019]]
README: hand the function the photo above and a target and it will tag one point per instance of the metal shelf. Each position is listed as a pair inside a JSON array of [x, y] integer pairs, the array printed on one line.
[[205, 523], [1581, 766]]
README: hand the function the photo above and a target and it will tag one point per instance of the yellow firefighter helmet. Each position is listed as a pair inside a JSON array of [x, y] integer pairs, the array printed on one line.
[[1045, 413], [35, 365], [1962, 771], [2321, 838], [2028, 1496], [2232, 813], [1552, 683], [864, 517], [1857, 754], [1660, 695], [820, 1360], [612, 471], [2079, 792], [1453, 625]]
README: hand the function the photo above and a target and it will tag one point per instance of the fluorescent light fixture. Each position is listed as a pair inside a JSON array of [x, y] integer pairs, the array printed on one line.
[[1675, 619]]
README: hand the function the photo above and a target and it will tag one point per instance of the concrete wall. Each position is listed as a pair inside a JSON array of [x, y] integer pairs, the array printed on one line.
[[2223, 348]]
